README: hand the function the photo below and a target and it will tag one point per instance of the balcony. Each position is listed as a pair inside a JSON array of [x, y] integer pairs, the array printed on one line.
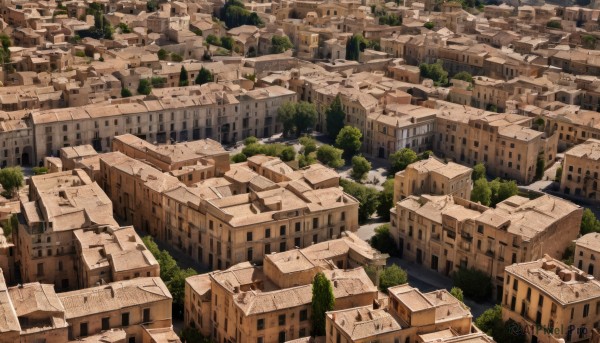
[[435, 236]]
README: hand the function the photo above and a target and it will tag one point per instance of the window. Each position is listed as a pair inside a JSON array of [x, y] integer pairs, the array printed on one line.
[[541, 301], [146, 315], [249, 236], [282, 247], [105, 323], [267, 233], [260, 324], [282, 230], [267, 249], [281, 319], [315, 223], [281, 337], [303, 315], [125, 319], [480, 229], [298, 227], [516, 285], [259, 340], [528, 293], [586, 310], [249, 254]]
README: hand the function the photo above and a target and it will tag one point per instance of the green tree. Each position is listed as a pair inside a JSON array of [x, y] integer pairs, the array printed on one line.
[[286, 114], [392, 276], [176, 57], [457, 293], [349, 141], [481, 192], [204, 76], [213, 40], [401, 159], [9, 226], [280, 44], [355, 45], [383, 241], [177, 286], [145, 87], [335, 117], [463, 75], [39, 170], [505, 191], [124, 28], [330, 156], [429, 25], [540, 166], [478, 172], [227, 42], [554, 24], [434, 71], [568, 256], [239, 157], [475, 284], [588, 41], [250, 140], [306, 159], [288, 154], [309, 145], [158, 82], [234, 14], [367, 198], [252, 149], [491, 323], [183, 77], [491, 108], [125, 92], [360, 167], [386, 200], [305, 117], [322, 302], [162, 54], [589, 222], [558, 175]]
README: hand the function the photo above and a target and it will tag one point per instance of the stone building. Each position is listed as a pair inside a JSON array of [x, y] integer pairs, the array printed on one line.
[[587, 249], [272, 302], [580, 170], [547, 293], [433, 177], [445, 232], [408, 316]]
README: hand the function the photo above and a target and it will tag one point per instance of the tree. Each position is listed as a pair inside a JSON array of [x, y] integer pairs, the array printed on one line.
[[124, 28], [588, 41], [386, 200], [288, 154], [309, 145], [144, 87], [457, 293], [491, 108], [335, 117], [475, 284], [367, 198], [360, 167], [234, 14], [305, 118], [213, 40], [322, 302], [392, 276], [383, 241], [463, 75], [478, 172], [252, 149], [330, 156], [162, 54], [589, 222], [401, 159], [250, 140], [429, 25], [554, 24], [204, 76], [125, 92], [280, 44], [355, 45], [158, 82], [39, 170], [306, 160], [540, 166], [434, 71], [227, 42], [183, 77], [349, 140], [5, 52], [285, 115], [238, 158], [491, 323], [9, 226], [481, 192], [176, 57], [558, 174], [568, 256], [505, 191]]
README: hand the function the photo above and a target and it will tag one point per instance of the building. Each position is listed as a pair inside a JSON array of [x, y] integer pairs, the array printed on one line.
[[408, 316], [587, 248], [433, 177], [548, 294], [505, 143], [445, 232], [580, 170], [272, 302]]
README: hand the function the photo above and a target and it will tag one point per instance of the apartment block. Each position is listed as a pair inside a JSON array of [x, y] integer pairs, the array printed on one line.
[[580, 170], [587, 247], [561, 300], [68, 237], [272, 302], [408, 316], [444, 233], [434, 177], [505, 143]]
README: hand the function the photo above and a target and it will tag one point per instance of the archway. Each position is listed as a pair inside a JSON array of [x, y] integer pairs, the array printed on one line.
[[26, 156]]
